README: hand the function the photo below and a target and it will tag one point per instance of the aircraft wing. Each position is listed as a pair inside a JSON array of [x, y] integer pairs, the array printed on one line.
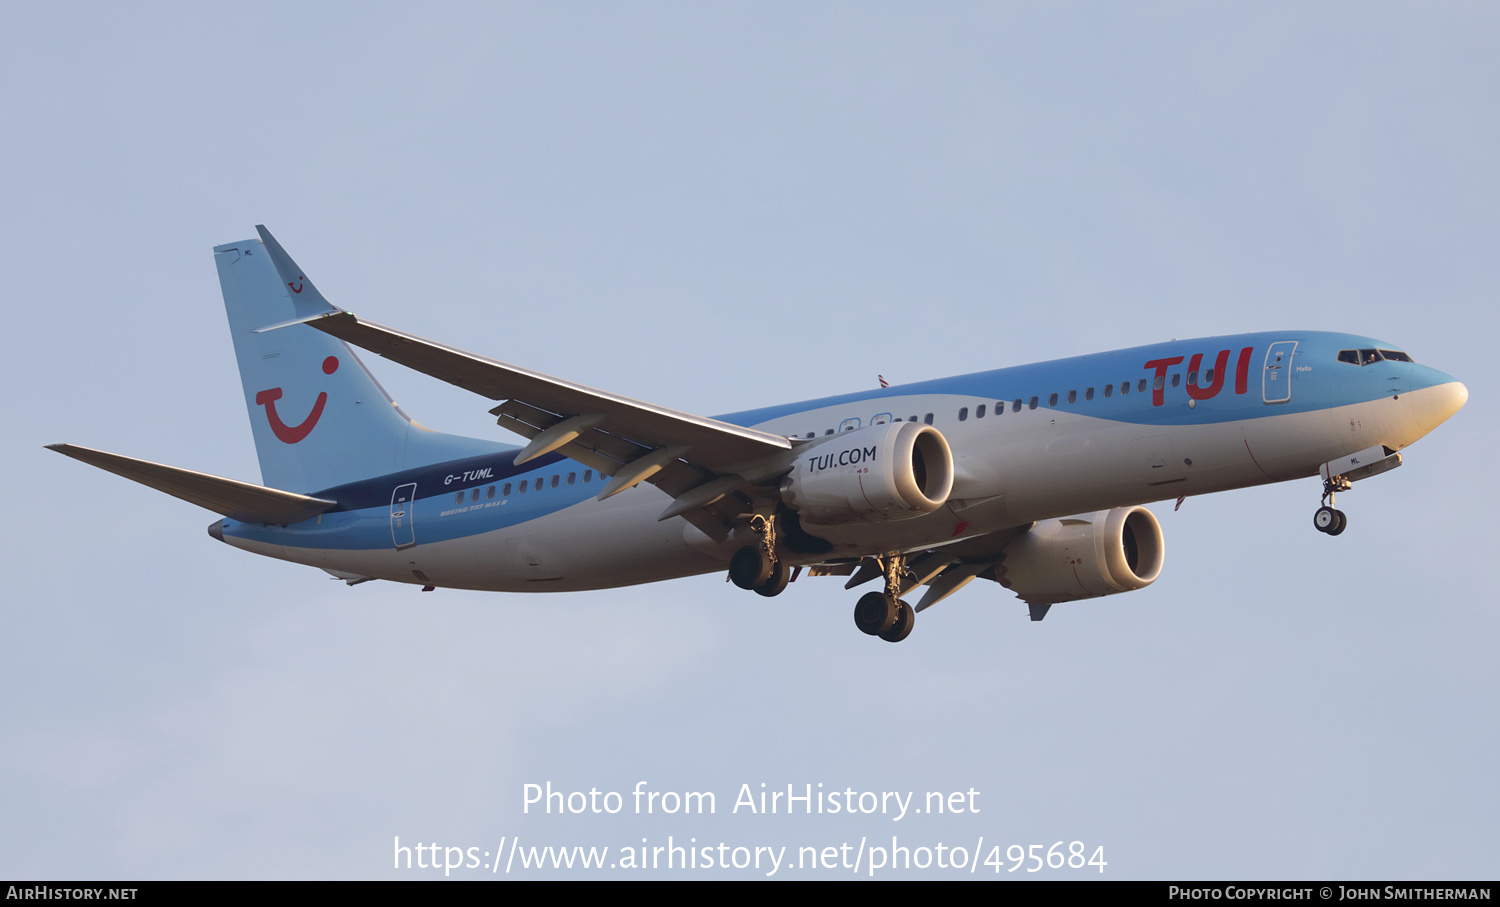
[[698, 461], [542, 398]]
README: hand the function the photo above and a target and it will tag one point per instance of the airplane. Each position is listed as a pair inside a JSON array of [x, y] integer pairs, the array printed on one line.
[[1032, 477]]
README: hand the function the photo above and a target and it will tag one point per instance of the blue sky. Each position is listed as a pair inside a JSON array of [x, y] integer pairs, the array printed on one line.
[[715, 208]]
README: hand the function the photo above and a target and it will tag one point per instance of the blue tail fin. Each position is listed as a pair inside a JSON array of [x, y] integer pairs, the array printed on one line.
[[319, 417]]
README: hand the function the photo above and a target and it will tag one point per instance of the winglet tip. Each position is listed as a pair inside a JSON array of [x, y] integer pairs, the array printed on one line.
[[266, 239]]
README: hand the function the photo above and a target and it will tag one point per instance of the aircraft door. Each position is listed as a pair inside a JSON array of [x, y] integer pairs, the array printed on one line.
[[403, 504], [1276, 376]]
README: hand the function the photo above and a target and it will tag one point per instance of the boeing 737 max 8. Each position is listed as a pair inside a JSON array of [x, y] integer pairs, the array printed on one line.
[[1032, 476]]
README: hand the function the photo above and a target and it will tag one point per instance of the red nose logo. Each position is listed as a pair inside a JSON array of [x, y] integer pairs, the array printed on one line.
[[291, 434]]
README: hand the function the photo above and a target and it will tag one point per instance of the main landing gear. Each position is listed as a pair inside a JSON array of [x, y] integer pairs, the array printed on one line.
[[884, 614], [1327, 519], [756, 567]]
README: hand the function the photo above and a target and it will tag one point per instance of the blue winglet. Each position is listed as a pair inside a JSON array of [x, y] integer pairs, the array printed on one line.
[[307, 302]]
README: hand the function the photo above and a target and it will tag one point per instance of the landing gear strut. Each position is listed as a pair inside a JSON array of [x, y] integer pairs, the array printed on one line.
[[1327, 519], [756, 566], [884, 614]]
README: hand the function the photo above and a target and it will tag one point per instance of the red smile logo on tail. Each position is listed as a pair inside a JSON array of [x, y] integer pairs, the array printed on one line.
[[291, 434]]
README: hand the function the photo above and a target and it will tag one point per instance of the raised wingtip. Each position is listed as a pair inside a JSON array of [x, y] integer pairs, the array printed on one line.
[[269, 241]]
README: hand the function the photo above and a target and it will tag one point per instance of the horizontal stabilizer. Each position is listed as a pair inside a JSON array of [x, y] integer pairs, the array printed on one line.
[[237, 500]]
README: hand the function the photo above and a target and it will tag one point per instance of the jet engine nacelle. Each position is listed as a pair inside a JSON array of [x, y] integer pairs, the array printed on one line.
[[1084, 556], [885, 472]]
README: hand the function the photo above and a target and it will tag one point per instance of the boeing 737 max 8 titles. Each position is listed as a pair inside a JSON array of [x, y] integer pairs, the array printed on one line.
[[1032, 477]]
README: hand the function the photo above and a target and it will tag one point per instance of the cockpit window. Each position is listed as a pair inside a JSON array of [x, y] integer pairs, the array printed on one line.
[[1368, 357]]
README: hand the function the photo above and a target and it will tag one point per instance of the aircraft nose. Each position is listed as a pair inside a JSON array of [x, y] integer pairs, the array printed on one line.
[[1436, 404]]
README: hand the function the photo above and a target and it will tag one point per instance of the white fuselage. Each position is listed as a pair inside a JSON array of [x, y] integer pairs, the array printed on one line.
[[1010, 471]]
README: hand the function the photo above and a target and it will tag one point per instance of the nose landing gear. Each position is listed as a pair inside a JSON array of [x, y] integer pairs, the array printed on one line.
[[1327, 519]]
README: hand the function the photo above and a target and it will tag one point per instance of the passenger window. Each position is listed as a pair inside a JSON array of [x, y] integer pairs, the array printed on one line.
[[556, 480], [522, 487], [1016, 406], [1176, 379], [927, 418], [1125, 387], [1088, 394], [505, 490], [963, 414], [1140, 386], [979, 413], [489, 493], [572, 478], [1072, 396], [474, 495], [1159, 384], [913, 418], [1032, 404], [1192, 379], [1052, 400], [828, 432], [1209, 376], [588, 475], [539, 483], [1109, 391], [458, 498]]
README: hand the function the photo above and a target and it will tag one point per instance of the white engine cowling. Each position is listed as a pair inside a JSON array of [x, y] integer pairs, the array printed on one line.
[[1084, 556], [884, 472]]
